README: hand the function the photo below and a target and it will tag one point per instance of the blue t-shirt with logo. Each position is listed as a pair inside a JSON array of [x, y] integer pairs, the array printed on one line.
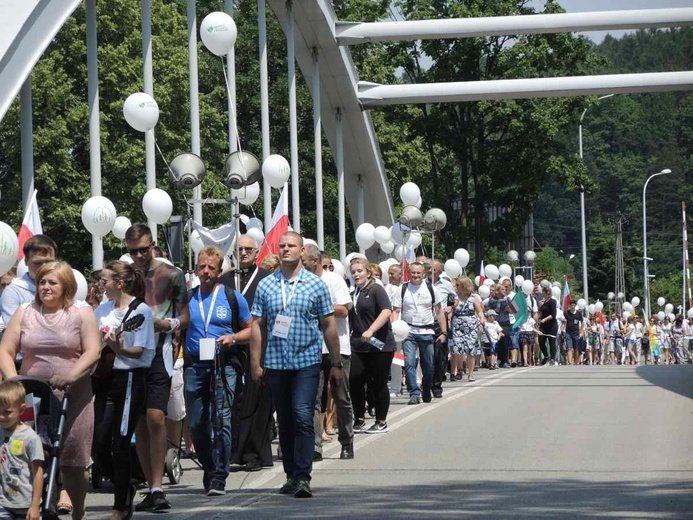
[[219, 322]]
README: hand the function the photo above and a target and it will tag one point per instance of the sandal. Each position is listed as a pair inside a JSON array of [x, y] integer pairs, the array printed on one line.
[[471, 379]]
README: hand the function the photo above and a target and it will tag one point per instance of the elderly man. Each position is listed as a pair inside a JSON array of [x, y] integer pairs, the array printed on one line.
[[291, 307], [252, 420], [341, 301]]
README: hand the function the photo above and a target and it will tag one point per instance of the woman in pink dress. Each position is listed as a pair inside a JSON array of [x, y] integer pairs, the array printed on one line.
[[59, 341]]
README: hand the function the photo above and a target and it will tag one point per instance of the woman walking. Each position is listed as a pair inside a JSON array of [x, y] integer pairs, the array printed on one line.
[[467, 317], [548, 326]]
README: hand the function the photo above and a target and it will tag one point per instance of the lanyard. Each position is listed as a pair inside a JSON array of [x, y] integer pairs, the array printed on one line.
[[206, 319], [250, 281], [286, 302], [355, 299]]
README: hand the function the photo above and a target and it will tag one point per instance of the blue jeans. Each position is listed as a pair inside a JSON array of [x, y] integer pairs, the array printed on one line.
[[425, 344], [200, 401], [294, 393]]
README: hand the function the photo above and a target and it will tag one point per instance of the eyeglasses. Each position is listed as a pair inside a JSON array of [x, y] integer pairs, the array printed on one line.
[[246, 249], [329, 267], [139, 251]]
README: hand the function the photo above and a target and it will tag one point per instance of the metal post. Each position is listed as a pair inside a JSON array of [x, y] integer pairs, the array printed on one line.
[[339, 163], [645, 259], [360, 204], [148, 76], [264, 106], [94, 126], [231, 77], [27, 143], [194, 101], [317, 136], [293, 124]]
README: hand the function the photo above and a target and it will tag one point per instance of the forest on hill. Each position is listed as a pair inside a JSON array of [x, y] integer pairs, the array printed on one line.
[[518, 154]]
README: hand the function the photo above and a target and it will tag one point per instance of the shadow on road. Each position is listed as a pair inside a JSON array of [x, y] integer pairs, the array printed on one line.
[[675, 378]]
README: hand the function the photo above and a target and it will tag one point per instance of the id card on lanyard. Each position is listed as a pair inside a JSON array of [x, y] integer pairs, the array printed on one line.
[[282, 323], [207, 345]]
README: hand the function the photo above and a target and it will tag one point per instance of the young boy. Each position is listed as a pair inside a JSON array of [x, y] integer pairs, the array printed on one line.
[[493, 332], [21, 458]]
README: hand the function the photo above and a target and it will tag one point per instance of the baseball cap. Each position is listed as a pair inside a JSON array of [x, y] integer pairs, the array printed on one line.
[[491, 312]]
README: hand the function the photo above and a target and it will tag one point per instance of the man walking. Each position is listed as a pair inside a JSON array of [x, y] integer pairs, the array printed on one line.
[[290, 307], [420, 305], [440, 349], [573, 334]]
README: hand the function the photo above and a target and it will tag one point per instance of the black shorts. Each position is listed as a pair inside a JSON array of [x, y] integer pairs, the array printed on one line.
[[158, 384]]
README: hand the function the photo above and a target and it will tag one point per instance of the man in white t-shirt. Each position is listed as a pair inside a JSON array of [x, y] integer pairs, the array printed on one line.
[[394, 277], [341, 301], [420, 304], [441, 352]]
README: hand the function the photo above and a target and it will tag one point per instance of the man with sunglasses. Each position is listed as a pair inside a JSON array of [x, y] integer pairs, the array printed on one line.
[[252, 419], [166, 295]]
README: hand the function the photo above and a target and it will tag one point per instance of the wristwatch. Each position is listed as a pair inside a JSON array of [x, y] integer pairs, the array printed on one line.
[[338, 364]]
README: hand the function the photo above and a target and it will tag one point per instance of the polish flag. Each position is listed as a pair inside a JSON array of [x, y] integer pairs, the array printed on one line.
[[566, 297], [31, 225], [482, 276], [279, 226]]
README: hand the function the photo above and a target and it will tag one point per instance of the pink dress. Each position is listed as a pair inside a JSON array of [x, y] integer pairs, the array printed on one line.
[[51, 345]]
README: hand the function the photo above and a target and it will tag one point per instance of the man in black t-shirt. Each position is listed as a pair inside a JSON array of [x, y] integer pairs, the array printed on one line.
[[573, 333]]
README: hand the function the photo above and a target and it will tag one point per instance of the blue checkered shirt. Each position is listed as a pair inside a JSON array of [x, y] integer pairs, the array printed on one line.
[[311, 300]]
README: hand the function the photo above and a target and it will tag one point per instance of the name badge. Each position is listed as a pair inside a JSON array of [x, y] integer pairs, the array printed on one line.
[[207, 349], [281, 326]]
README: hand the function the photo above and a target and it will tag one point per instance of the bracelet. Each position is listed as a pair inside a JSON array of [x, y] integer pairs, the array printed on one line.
[[175, 323]]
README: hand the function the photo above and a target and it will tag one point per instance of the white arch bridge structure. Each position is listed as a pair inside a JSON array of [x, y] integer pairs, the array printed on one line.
[[319, 44]]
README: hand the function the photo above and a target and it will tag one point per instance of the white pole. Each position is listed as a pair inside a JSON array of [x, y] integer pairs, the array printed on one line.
[[339, 163], [293, 124], [94, 126], [317, 143], [683, 262], [148, 76], [644, 240], [231, 77], [360, 202], [264, 106], [194, 101], [27, 143]]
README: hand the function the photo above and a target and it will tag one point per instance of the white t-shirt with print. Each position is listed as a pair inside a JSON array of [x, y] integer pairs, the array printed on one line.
[[417, 307], [110, 318]]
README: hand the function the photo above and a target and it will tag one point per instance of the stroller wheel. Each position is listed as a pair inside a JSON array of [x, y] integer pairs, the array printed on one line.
[[173, 468]]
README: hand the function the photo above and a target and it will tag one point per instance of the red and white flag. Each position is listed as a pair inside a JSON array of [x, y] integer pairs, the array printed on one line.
[[566, 297], [279, 226], [482, 276], [31, 225]]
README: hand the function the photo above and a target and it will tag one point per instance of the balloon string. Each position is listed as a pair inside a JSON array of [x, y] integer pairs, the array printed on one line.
[[160, 152], [232, 106]]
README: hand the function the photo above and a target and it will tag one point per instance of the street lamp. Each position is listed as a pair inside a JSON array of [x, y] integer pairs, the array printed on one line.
[[645, 258], [582, 211]]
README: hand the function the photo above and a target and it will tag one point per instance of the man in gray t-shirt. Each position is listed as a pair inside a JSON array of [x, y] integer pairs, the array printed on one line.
[[17, 452]]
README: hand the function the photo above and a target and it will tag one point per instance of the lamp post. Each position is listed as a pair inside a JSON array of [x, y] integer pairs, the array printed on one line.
[[582, 211], [645, 259]]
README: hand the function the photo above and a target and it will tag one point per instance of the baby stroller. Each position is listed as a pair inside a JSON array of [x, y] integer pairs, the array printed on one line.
[[49, 424]]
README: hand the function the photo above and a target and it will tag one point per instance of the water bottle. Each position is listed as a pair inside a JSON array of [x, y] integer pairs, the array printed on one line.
[[376, 343]]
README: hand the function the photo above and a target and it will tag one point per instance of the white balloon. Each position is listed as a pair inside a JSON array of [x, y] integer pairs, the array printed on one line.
[[414, 240], [141, 111], [555, 292], [254, 223], [409, 193], [338, 267], [382, 234], [489, 282], [661, 301], [218, 33], [591, 308], [477, 279], [384, 266], [400, 251], [311, 242], [528, 287], [399, 233], [627, 307], [545, 284], [157, 205], [491, 271], [661, 315], [635, 301], [612, 295], [22, 269], [120, 227], [98, 216], [505, 270], [484, 291], [348, 258], [364, 235], [418, 202], [485, 302], [668, 308], [690, 313], [400, 330], [512, 256], [452, 268], [626, 315], [462, 257], [519, 279], [225, 264], [196, 242], [387, 247], [9, 248], [672, 317], [598, 306], [556, 284], [276, 170], [247, 195], [126, 258], [258, 235], [530, 256], [582, 303], [82, 286]]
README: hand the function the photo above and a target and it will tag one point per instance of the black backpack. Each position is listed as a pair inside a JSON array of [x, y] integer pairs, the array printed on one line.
[[233, 303], [430, 290]]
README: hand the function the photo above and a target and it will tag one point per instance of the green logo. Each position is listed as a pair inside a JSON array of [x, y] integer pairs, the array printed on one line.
[[102, 215], [7, 246], [210, 29]]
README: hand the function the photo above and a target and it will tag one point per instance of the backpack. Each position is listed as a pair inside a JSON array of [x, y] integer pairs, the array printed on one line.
[[430, 290]]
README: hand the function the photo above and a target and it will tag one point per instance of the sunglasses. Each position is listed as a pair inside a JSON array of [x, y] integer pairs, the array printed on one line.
[[329, 267], [139, 251], [246, 249]]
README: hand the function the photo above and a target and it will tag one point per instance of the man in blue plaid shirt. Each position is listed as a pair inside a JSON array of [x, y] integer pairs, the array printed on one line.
[[290, 308]]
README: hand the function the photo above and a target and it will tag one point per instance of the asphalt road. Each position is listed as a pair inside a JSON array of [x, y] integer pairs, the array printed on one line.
[[551, 442]]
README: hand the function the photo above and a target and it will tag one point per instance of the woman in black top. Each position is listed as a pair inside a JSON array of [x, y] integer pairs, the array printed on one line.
[[372, 347], [548, 326]]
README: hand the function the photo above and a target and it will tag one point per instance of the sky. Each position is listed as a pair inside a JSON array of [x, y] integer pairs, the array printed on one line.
[[576, 6]]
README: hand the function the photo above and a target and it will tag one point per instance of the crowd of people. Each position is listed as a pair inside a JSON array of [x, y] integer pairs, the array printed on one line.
[[288, 346]]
